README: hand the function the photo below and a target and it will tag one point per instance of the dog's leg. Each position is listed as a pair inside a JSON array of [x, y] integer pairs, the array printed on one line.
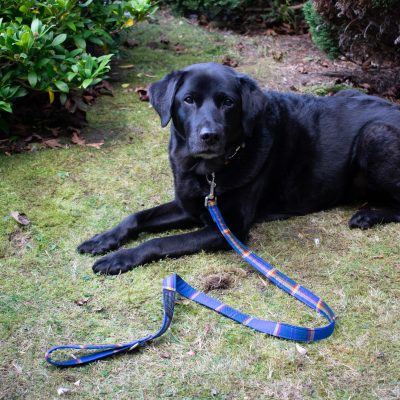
[[164, 217], [378, 156], [207, 238]]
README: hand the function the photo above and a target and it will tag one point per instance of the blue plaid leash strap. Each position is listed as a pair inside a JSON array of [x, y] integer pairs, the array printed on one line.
[[175, 284]]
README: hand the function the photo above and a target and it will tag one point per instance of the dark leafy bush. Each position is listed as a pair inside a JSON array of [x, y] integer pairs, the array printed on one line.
[[363, 30], [274, 10], [187, 6], [324, 35], [46, 46]]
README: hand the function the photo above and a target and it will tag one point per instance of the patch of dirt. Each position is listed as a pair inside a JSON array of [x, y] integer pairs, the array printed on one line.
[[216, 281], [35, 123], [294, 63], [19, 240]]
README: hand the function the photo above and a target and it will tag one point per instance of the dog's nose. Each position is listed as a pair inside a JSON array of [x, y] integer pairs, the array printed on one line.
[[209, 137]]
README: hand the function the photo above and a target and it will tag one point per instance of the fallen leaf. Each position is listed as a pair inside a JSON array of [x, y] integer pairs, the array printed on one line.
[[126, 66], [179, 49], [77, 383], [70, 105], [17, 367], [88, 99], [95, 145], [52, 143], [76, 139], [54, 131], [229, 62], [61, 391], [81, 302], [301, 350], [165, 355], [271, 32], [191, 353], [107, 85], [125, 85], [143, 93], [21, 218]]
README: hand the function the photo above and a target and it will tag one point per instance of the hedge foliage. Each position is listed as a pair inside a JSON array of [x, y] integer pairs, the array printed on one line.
[[278, 10], [48, 45], [363, 30]]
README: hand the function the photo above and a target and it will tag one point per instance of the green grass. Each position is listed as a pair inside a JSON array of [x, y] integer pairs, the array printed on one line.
[[73, 193]]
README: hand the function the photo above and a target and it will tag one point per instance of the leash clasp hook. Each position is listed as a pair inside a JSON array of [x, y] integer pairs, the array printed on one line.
[[211, 195]]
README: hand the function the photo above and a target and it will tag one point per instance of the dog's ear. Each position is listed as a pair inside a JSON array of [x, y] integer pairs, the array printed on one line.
[[253, 102], [162, 95]]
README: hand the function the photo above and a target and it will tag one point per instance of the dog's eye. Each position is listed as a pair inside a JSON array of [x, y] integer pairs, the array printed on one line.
[[227, 102], [188, 100]]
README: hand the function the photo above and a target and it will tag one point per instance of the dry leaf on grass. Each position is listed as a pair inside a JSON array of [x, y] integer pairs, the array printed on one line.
[[229, 62], [96, 145], [52, 143], [81, 302], [21, 218], [76, 139], [143, 93]]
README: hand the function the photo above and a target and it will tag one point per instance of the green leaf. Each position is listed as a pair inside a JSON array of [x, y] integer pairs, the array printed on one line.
[[80, 41], [5, 106], [25, 38], [63, 98], [71, 25], [32, 78], [43, 62], [62, 86], [59, 39], [86, 4], [71, 75], [75, 52], [96, 40], [86, 83]]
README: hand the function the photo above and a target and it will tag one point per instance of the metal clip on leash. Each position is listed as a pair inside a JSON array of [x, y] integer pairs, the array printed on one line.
[[212, 184], [175, 284]]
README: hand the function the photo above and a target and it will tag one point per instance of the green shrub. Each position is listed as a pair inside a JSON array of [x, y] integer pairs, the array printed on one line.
[[323, 34], [46, 46], [186, 6]]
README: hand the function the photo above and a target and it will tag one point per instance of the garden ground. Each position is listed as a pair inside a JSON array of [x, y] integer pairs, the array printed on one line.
[[49, 295]]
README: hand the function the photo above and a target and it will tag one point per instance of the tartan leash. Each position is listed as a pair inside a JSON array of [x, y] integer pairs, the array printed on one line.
[[175, 284]]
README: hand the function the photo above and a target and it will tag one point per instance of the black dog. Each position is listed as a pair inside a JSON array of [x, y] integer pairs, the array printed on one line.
[[275, 155]]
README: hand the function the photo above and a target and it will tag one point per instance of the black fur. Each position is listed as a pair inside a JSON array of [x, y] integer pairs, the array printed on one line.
[[297, 154]]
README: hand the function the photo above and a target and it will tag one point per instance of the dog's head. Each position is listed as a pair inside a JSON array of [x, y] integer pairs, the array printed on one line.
[[213, 108]]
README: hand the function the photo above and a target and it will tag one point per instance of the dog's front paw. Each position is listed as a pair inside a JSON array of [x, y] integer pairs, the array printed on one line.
[[115, 263], [99, 244]]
